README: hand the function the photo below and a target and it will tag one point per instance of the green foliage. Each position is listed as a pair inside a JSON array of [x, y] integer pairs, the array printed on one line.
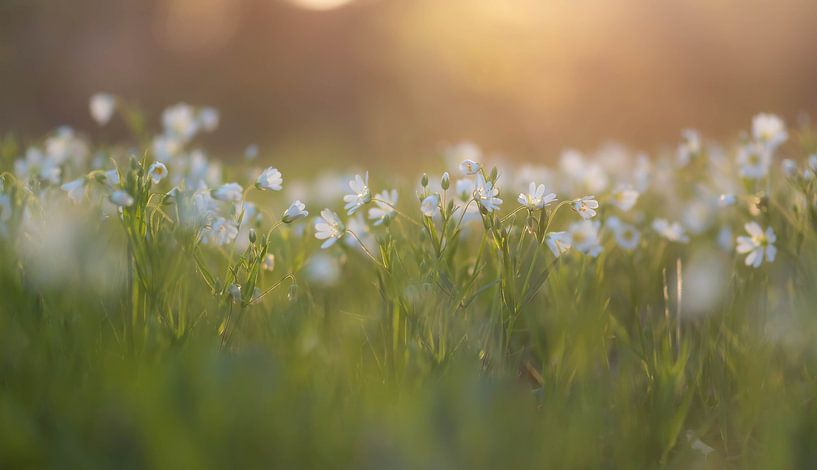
[[445, 342]]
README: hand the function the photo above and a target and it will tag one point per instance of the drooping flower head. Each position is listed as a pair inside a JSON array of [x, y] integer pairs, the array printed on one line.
[[295, 211], [270, 180]]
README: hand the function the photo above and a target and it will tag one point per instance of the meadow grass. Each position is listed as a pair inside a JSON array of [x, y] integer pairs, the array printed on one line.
[[154, 314]]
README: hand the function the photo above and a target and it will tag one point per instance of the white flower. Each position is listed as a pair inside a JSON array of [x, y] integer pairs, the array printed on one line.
[[75, 189], [111, 178], [329, 228], [812, 162], [268, 264], [757, 244], [232, 192], [558, 242], [384, 207], [270, 179], [626, 235], [157, 172], [769, 130], [295, 211], [180, 121], [196, 208], [221, 232], [625, 198], [585, 237], [36, 164], [122, 198], [430, 206], [166, 147], [536, 197], [485, 194], [673, 232], [754, 161], [690, 146], [586, 207], [470, 167], [209, 118], [65, 146], [102, 106], [360, 194]]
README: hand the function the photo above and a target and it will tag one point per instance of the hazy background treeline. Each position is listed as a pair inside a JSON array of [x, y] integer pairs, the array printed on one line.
[[382, 81]]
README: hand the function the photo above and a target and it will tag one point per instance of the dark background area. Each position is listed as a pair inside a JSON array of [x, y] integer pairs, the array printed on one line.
[[393, 80]]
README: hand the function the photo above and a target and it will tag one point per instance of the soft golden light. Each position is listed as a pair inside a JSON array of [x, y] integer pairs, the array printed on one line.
[[320, 5]]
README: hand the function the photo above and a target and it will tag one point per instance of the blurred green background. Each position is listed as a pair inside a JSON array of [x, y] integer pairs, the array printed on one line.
[[387, 80]]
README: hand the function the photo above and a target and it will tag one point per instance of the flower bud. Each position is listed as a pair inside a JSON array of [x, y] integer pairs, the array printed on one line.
[[235, 292], [445, 182], [424, 180], [297, 210], [252, 236]]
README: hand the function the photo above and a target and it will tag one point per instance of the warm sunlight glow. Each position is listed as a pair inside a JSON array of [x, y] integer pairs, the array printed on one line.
[[320, 5]]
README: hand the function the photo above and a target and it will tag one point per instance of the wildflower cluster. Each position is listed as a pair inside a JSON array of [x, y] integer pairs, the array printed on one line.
[[505, 264]]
